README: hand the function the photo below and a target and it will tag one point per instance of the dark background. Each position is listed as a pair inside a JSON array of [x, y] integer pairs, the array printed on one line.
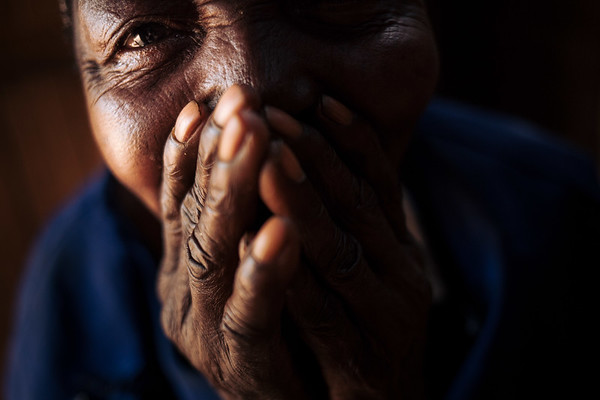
[[538, 59]]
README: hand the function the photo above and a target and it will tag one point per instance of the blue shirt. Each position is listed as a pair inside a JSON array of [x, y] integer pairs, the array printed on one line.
[[511, 216]]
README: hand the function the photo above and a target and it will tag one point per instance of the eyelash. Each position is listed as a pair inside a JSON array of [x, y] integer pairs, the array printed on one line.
[[157, 42], [136, 33]]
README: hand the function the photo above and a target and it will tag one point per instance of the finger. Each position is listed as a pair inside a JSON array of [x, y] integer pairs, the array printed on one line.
[[350, 200], [253, 312], [336, 255], [252, 318], [233, 101], [245, 244], [323, 323], [376, 220], [342, 314], [351, 349], [178, 175], [359, 146], [229, 210]]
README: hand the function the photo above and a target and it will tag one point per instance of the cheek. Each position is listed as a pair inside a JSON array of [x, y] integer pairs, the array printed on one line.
[[391, 82], [132, 144], [406, 80]]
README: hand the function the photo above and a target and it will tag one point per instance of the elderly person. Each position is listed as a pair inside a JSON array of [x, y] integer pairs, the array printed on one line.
[[251, 239]]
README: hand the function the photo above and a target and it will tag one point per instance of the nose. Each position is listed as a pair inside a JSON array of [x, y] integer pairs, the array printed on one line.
[[256, 48]]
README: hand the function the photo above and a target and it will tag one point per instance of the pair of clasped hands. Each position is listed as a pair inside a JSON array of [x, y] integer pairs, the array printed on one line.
[[329, 298]]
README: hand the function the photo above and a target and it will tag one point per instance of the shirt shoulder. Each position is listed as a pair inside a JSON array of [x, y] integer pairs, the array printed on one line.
[[512, 215], [83, 313], [470, 134]]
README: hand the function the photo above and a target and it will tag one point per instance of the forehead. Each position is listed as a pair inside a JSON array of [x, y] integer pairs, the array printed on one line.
[[118, 7]]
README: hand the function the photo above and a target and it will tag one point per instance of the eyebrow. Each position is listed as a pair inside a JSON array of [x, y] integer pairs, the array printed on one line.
[[100, 20]]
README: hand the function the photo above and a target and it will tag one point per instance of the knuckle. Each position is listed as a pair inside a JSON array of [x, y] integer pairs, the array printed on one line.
[[198, 195], [172, 171], [219, 200], [198, 258], [362, 210], [191, 208], [228, 185], [346, 255], [236, 328], [207, 260], [365, 195], [170, 209], [333, 163], [204, 167], [326, 314], [322, 317]]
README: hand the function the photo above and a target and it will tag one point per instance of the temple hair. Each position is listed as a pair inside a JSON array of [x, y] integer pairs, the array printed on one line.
[[66, 14]]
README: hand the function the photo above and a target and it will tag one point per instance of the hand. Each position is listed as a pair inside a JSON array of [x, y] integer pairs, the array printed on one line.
[[361, 301], [360, 298], [223, 310]]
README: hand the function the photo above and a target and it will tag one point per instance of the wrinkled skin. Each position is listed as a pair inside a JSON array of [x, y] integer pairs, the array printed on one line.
[[326, 297]]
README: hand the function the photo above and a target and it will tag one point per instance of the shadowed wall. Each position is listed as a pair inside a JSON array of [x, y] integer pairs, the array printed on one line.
[[46, 149]]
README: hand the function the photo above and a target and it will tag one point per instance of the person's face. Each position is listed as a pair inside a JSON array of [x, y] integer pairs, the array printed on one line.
[[141, 61]]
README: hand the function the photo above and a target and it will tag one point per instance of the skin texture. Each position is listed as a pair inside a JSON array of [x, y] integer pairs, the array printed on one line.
[[324, 294]]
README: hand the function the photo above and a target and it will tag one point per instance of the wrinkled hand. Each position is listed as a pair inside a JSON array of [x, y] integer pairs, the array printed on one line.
[[362, 302], [222, 311], [359, 297]]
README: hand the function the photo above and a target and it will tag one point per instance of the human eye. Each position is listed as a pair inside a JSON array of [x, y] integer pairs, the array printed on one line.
[[145, 35], [148, 44]]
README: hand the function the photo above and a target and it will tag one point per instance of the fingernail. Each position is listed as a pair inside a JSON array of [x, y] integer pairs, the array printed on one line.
[[290, 165], [212, 128], [188, 120], [336, 111], [283, 123], [245, 242], [270, 241], [231, 139], [231, 102]]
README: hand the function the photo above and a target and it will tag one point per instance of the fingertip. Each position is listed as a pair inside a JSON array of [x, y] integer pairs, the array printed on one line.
[[244, 244], [282, 180], [283, 123], [290, 165], [179, 157], [190, 117], [235, 99], [267, 180], [277, 241], [262, 279], [181, 145], [247, 123], [271, 238], [336, 111], [255, 123], [231, 139]]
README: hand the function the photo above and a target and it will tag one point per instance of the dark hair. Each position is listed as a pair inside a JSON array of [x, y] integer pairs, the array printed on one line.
[[66, 9]]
